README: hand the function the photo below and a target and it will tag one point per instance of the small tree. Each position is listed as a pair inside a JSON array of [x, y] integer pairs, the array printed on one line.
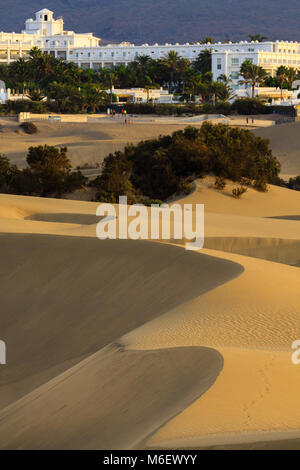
[[252, 74], [238, 192], [220, 183], [7, 174], [29, 127], [50, 168], [203, 62]]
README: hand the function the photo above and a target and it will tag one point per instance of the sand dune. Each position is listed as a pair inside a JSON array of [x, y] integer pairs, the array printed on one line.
[[121, 343], [252, 321], [88, 286], [91, 142], [87, 143], [285, 143], [121, 398]]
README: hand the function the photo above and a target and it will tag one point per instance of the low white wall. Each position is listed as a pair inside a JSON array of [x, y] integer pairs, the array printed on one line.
[[53, 117]]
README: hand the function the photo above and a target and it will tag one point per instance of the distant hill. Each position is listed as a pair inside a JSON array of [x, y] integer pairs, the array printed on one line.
[[163, 21]]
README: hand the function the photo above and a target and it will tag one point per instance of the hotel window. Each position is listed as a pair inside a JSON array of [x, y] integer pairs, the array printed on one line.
[[235, 61], [219, 64]]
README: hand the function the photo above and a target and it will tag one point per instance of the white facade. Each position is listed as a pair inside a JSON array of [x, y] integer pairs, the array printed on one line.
[[47, 33], [4, 93], [269, 55], [142, 95]]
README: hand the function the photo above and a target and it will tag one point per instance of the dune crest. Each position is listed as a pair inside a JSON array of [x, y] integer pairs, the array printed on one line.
[[160, 306]]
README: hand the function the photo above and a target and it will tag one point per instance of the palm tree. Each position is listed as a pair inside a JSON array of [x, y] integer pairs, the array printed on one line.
[[172, 62], [223, 92], [142, 63], [204, 90], [224, 79], [291, 75], [203, 61], [252, 74], [207, 40], [109, 78], [257, 37], [35, 94], [192, 82], [281, 75], [21, 71], [95, 97]]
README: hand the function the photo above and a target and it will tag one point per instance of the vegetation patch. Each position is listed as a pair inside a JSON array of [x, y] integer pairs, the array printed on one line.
[[159, 168], [48, 174], [29, 127]]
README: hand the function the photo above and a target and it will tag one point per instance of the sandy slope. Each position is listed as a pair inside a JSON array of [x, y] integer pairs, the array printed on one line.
[[91, 142], [252, 321], [87, 286], [285, 143], [121, 398], [65, 296], [87, 143]]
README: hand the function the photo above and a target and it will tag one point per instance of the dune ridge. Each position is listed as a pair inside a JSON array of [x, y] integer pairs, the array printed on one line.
[[233, 309], [79, 273], [121, 398]]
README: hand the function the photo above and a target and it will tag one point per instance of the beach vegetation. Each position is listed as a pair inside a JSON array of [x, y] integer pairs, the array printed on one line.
[[238, 192], [53, 85], [159, 168], [29, 127], [48, 174]]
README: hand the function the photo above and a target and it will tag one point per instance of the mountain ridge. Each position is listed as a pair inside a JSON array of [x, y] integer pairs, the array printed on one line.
[[141, 21]]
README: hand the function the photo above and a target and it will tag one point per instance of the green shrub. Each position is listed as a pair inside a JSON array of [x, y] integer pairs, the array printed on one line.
[[261, 184], [48, 174], [7, 173], [238, 192], [26, 106], [220, 183], [294, 183], [249, 106], [29, 127], [159, 168]]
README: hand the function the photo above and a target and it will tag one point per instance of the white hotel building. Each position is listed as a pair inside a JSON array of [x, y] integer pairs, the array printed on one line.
[[48, 34]]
